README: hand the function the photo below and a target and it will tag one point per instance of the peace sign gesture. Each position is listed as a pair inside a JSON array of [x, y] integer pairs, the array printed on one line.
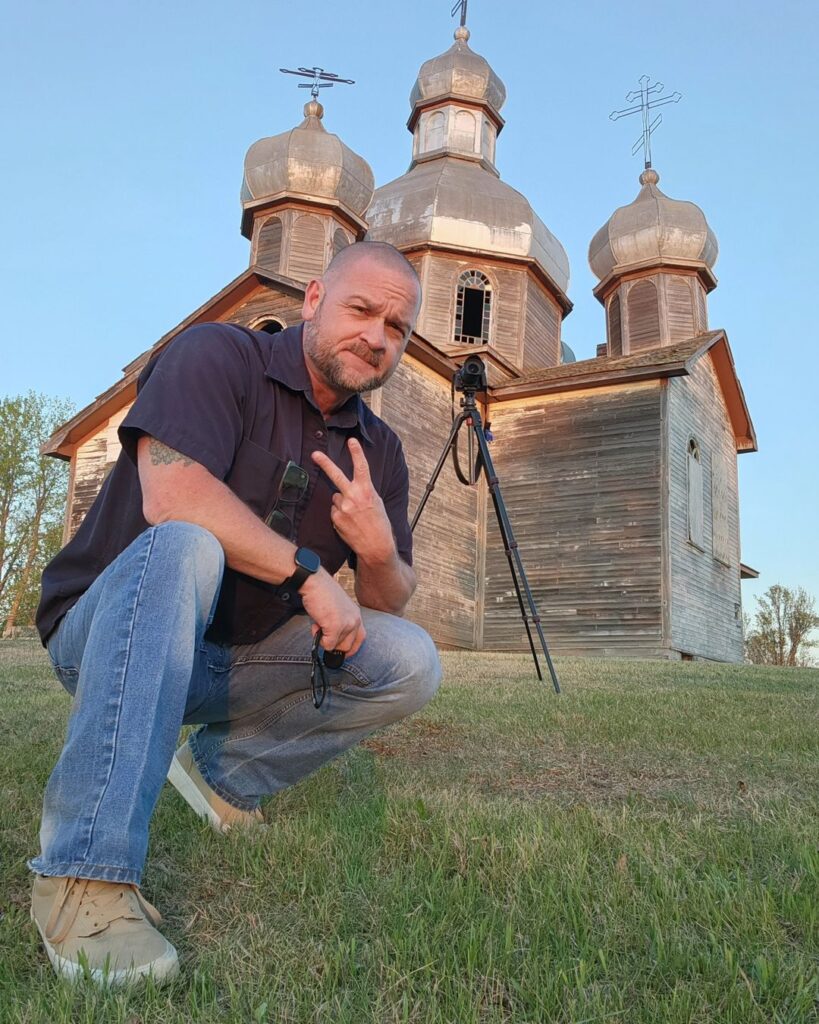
[[358, 514]]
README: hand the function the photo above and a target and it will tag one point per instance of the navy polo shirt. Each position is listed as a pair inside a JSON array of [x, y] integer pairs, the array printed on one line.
[[240, 403]]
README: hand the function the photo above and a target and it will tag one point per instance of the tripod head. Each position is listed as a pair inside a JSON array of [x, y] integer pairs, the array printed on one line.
[[471, 376]]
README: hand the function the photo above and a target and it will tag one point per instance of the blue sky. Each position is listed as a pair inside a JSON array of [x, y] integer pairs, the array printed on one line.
[[125, 126]]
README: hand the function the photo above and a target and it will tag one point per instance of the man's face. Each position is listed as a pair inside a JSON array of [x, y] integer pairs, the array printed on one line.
[[357, 324]]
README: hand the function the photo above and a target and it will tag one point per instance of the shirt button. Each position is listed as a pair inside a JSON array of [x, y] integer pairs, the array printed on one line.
[[319, 434]]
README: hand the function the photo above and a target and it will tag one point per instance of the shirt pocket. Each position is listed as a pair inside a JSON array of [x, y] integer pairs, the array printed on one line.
[[255, 475]]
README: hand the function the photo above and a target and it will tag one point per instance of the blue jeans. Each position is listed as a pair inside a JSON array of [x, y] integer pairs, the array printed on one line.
[[132, 653]]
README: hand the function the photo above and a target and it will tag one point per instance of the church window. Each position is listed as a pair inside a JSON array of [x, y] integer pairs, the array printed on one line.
[[307, 252], [473, 309], [695, 510], [340, 241], [269, 244], [464, 131], [269, 324], [615, 328], [643, 316], [435, 131]]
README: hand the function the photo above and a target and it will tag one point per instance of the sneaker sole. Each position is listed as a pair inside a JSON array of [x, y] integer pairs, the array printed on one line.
[[162, 969], [187, 789]]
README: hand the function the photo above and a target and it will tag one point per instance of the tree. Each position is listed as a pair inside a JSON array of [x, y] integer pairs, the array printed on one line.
[[782, 626], [32, 502]]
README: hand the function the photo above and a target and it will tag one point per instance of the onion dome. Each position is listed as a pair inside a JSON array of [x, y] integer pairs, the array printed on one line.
[[306, 162], [654, 230], [459, 204], [452, 195], [459, 73]]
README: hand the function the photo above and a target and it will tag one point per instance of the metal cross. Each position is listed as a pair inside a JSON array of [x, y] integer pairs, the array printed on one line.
[[645, 106], [321, 79], [459, 5]]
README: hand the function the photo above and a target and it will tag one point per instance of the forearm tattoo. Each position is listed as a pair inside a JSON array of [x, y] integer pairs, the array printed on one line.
[[162, 455]]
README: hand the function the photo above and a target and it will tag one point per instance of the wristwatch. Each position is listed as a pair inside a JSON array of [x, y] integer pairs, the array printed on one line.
[[308, 564]]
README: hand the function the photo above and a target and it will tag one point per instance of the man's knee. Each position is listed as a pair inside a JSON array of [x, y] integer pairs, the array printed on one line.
[[192, 545], [416, 667]]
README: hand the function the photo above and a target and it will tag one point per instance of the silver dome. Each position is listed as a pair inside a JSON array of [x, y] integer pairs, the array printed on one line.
[[654, 228], [460, 73], [310, 161], [458, 203]]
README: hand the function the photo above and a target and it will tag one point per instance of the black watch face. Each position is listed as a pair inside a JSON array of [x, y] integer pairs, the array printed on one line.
[[308, 560]]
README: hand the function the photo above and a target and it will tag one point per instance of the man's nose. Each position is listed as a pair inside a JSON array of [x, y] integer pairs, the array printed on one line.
[[375, 335]]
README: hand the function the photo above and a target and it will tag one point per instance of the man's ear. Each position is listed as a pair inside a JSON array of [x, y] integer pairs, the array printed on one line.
[[313, 294]]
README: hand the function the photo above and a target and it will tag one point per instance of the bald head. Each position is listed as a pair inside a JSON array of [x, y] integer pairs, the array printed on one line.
[[380, 254]]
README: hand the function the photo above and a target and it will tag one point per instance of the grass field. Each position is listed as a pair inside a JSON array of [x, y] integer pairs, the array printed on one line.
[[642, 849]]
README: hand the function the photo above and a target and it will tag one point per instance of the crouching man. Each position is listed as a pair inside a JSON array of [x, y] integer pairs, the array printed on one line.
[[200, 589]]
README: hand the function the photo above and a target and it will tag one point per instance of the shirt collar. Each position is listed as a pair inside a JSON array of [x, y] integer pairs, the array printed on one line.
[[286, 365]]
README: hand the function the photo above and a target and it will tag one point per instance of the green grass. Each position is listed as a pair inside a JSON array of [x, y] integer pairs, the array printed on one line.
[[642, 849]]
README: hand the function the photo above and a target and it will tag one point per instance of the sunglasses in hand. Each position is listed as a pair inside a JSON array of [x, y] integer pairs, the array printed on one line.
[[320, 661]]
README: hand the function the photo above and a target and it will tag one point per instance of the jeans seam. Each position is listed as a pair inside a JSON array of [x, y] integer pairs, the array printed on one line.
[[267, 659], [118, 714]]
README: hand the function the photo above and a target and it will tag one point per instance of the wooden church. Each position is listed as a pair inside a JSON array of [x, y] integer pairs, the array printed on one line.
[[619, 472]]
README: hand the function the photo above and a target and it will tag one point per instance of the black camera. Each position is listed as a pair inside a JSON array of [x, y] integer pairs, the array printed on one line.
[[471, 376]]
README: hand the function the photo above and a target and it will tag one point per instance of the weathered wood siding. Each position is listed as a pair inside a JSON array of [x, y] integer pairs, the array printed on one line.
[[417, 407], [643, 316], [541, 339], [680, 304], [615, 327], [92, 462], [705, 600], [581, 478], [267, 302], [439, 278], [268, 245]]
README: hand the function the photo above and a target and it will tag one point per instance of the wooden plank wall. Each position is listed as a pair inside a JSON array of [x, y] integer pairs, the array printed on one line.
[[440, 274], [581, 478], [93, 461], [541, 340], [705, 598], [680, 306], [643, 315], [416, 404]]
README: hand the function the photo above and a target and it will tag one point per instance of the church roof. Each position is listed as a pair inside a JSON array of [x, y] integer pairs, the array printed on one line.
[[458, 73], [647, 364], [654, 229], [458, 203], [306, 161]]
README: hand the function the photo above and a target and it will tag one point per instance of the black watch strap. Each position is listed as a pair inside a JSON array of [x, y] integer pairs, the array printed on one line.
[[308, 564]]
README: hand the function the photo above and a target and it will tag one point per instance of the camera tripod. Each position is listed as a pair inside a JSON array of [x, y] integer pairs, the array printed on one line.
[[472, 417]]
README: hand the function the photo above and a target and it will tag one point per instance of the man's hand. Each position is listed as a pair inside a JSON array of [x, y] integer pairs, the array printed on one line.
[[334, 613], [358, 514]]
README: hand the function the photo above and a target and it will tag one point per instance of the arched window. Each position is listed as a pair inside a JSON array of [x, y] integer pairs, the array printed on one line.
[[473, 309], [269, 244], [465, 131], [340, 241], [434, 138], [269, 324], [695, 512]]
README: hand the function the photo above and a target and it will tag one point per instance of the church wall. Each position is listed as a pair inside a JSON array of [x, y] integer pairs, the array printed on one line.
[[267, 303], [91, 463], [541, 340], [705, 599], [580, 475], [439, 277], [416, 404]]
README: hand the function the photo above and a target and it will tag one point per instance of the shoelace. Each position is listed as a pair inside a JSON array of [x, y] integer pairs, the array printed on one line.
[[104, 905]]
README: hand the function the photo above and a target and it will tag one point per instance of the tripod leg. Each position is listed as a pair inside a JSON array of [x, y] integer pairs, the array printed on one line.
[[430, 487], [512, 552]]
